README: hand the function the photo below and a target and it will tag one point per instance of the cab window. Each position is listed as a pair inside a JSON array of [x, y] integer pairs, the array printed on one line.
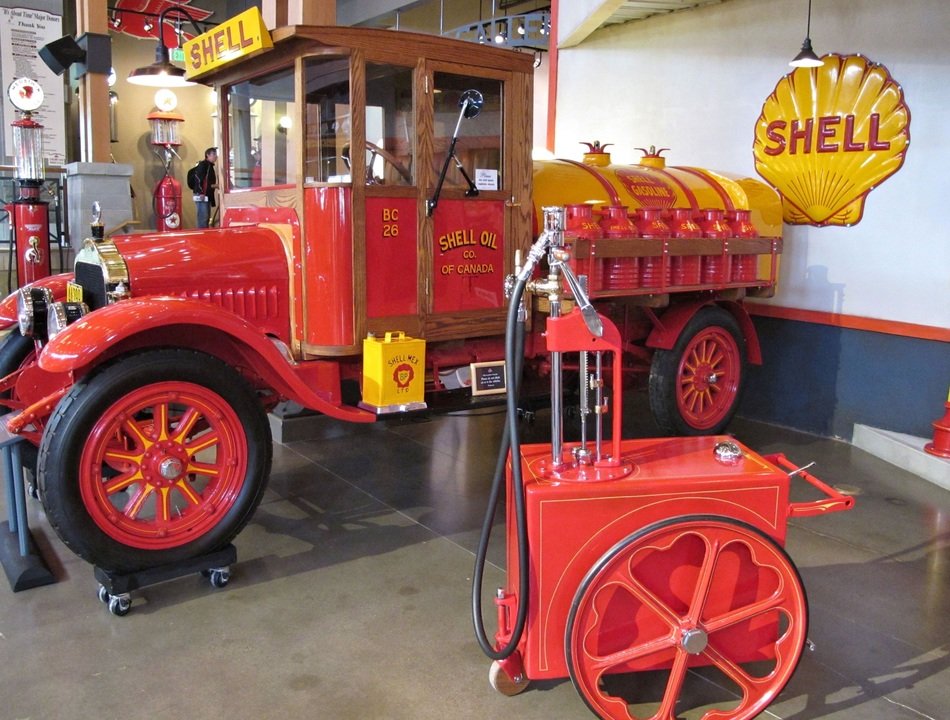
[[390, 131], [263, 140], [327, 111], [479, 146]]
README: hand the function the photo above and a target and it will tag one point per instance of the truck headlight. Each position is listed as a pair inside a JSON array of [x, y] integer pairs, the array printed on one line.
[[31, 308], [63, 314]]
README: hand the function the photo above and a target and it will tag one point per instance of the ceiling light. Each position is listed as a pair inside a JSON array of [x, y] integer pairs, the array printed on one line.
[[806, 57], [162, 73]]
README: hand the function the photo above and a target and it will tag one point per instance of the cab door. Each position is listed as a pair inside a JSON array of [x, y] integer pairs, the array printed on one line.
[[439, 273], [468, 237]]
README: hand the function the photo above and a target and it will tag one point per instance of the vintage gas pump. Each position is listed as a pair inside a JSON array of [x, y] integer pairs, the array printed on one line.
[[165, 126], [29, 215], [650, 571]]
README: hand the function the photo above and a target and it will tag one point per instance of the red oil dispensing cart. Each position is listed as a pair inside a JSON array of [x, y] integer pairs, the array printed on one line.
[[652, 572], [29, 214]]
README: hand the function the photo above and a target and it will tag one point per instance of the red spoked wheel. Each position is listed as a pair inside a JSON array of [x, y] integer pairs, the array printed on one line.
[[162, 465], [695, 387], [160, 457], [697, 617]]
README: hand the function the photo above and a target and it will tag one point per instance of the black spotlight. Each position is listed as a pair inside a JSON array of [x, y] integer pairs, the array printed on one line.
[[60, 54]]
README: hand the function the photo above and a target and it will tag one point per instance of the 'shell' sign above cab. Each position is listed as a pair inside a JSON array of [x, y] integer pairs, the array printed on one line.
[[238, 37]]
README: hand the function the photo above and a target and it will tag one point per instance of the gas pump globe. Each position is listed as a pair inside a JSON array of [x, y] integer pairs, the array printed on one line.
[[28, 213], [165, 125]]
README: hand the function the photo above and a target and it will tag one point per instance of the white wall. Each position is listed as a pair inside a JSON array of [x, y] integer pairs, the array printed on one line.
[[695, 81]]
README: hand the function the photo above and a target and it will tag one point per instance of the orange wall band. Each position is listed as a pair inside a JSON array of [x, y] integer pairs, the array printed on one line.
[[852, 322]]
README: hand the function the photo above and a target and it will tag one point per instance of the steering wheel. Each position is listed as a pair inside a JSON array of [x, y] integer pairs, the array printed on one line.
[[376, 150]]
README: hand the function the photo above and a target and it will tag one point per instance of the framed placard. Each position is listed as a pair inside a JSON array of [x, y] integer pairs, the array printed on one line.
[[489, 378]]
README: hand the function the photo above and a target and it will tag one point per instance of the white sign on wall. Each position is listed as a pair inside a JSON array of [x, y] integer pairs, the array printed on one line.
[[22, 33]]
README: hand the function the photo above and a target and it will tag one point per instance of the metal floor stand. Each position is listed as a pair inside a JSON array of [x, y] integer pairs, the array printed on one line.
[[21, 560]]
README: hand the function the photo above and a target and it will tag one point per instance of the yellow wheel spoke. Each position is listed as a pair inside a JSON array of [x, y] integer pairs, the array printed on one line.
[[137, 501]]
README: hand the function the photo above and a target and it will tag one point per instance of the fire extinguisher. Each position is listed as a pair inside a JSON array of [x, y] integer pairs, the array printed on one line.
[[166, 202]]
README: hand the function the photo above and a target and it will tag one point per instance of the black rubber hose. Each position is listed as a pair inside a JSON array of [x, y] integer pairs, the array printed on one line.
[[514, 358]]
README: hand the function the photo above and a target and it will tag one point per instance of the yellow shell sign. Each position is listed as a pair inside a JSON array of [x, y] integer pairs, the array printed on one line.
[[829, 135], [240, 36]]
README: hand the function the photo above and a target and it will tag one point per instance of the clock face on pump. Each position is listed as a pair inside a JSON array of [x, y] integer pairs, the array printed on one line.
[[166, 100], [25, 94]]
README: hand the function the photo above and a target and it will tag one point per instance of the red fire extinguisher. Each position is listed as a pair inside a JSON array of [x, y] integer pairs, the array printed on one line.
[[166, 201]]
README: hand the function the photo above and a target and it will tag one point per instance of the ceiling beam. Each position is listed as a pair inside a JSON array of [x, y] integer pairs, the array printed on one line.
[[577, 20]]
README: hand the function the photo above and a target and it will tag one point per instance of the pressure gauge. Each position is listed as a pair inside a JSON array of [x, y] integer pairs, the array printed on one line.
[[25, 94]]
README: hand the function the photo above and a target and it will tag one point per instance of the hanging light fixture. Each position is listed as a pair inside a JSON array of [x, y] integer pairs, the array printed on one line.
[[807, 57], [162, 73]]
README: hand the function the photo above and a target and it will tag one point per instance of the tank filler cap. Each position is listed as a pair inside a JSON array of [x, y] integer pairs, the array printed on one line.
[[653, 158], [727, 452], [597, 154]]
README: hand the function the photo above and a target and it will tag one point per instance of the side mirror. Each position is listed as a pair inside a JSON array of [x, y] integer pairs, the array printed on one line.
[[470, 104]]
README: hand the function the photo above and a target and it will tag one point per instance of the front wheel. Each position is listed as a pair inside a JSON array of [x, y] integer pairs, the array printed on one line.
[[160, 457], [696, 386]]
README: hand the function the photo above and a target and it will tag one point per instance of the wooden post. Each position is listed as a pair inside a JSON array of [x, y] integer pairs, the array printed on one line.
[[298, 12], [92, 17]]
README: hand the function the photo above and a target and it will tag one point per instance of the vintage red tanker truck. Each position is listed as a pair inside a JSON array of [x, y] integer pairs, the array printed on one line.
[[373, 183]]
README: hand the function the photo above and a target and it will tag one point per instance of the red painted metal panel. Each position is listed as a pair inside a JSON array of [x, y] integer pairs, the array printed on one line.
[[469, 248], [243, 269], [391, 257], [328, 226]]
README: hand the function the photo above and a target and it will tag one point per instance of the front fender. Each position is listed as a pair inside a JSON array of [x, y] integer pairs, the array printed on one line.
[[81, 345], [55, 283]]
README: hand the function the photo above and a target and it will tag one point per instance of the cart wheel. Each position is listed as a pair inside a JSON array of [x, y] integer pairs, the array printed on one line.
[[219, 577], [103, 595], [119, 605], [696, 616], [503, 684]]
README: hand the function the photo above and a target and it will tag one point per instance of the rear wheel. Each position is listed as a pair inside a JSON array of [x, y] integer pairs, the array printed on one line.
[[696, 386], [160, 457], [695, 617]]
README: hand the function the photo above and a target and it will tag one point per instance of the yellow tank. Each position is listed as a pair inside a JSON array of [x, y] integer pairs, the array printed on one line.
[[652, 184]]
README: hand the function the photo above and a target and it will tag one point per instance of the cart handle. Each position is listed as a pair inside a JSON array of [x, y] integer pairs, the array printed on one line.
[[836, 501]]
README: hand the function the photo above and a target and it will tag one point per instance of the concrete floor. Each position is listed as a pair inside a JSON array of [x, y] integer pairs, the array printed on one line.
[[350, 598]]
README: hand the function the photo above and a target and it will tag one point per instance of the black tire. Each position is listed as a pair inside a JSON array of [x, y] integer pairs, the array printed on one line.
[[156, 401], [16, 351], [685, 400]]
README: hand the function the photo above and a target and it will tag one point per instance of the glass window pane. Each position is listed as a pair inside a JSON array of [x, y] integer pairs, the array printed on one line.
[[327, 98], [479, 145], [263, 140], [390, 133]]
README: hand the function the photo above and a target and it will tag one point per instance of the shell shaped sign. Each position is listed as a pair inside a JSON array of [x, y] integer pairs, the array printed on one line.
[[829, 135]]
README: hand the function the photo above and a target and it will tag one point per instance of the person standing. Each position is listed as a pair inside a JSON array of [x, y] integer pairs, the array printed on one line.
[[207, 183]]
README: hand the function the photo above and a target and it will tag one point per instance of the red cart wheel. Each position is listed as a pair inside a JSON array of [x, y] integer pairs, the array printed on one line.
[[697, 617], [696, 386]]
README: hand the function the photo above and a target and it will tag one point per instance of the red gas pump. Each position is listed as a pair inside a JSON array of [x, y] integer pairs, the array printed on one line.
[[166, 200], [651, 571], [29, 215]]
